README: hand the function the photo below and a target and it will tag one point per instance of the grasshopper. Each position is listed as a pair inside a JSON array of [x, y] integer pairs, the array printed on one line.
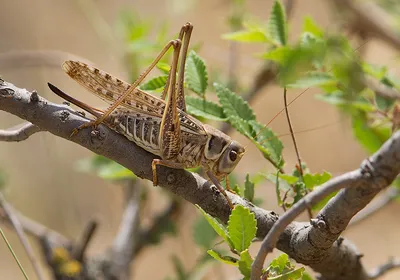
[[161, 127]]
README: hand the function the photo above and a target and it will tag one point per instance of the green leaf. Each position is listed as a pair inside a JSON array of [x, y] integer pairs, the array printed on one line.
[[203, 234], [233, 104], [306, 276], [245, 263], [376, 71], [370, 138], [248, 189], [179, 268], [247, 36], [280, 262], [164, 67], [196, 76], [278, 55], [267, 142], [277, 25], [217, 226], [242, 228], [205, 109], [309, 25], [115, 171], [291, 275], [314, 79], [290, 179], [225, 259], [321, 204], [155, 83], [104, 168], [317, 179]]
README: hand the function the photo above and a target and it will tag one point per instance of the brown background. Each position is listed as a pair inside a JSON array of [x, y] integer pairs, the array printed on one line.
[[43, 181]]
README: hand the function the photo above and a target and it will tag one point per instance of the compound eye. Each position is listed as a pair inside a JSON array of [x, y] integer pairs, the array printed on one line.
[[233, 155]]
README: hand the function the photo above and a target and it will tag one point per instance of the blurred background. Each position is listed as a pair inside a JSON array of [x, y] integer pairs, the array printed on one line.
[[44, 182]]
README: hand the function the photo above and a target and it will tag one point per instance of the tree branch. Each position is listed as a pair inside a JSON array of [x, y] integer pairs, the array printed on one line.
[[122, 250], [19, 133], [319, 251], [369, 19], [381, 270], [310, 244]]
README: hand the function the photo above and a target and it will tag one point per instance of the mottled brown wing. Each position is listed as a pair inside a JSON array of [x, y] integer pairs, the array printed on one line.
[[110, 88]]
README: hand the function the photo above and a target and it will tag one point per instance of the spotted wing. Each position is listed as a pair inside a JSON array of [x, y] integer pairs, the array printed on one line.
[[110, 88]]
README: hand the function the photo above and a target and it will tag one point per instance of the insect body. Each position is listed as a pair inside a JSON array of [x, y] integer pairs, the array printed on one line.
[[158, 126]]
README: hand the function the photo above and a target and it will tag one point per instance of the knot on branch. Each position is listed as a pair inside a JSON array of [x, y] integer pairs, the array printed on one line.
[[319, 223], [34, 97], [366, 168]]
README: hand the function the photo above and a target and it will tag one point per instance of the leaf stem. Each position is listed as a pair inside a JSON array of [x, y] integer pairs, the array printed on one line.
[[13, 253]]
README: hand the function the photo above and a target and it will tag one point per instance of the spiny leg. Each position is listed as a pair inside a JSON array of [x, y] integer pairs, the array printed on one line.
[[170, 132], [130, 90], [167, 163], [215, 181], [184, 36]]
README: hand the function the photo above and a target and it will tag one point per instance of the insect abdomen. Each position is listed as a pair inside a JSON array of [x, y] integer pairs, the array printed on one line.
[[144, 131]]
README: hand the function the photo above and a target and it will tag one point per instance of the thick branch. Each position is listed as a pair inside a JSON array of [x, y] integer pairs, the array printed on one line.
[[309, 244], [60, 120], [318, 245]]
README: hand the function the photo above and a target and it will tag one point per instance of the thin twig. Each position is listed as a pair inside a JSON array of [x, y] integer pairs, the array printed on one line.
[[19, 133], [147, 236], [34, 228], [14, 255], [22, 237], [292, 132], [382, 90], [382, 269], [81, 246], [306, 202], [371, 20]]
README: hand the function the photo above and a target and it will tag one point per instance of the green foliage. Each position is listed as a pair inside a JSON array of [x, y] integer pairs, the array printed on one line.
[[196, 76], [205, 109], [233, 105], [277, 25], [313, 180], [249, 189], [217, 226], [203, 234], [245, 263], [282, 269], [243, 119], [291, 188], [155, 83], [242, 228], [105, 168], [252, 35], [370, 137], [224, 259]]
